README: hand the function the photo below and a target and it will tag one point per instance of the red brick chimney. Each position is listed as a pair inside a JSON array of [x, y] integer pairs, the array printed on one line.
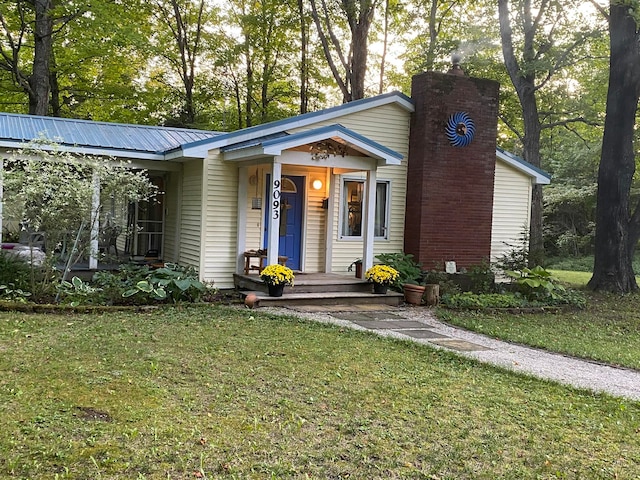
[[451, 165]]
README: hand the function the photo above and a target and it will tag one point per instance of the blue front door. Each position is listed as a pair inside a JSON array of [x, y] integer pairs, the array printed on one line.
[[291, 204]]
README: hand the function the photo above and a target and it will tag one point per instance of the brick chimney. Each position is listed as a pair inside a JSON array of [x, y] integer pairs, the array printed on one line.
[[451, 165]]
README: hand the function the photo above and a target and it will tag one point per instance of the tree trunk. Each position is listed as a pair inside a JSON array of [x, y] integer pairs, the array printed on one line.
[[304, 68], [616, 229], [524, 84], [385, 43], [531, 143], [56, 105], [359, 62], [43, 48]]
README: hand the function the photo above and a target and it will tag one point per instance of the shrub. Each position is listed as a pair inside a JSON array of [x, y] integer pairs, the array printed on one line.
[[482, 278], [445, 280], [409, 271], [14, 272]]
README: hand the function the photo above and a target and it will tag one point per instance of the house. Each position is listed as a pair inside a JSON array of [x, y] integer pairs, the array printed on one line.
[[384, 174]]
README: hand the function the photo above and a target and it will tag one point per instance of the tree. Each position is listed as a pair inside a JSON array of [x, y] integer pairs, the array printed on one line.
[[350, 69], [36, 18], [53, 191], [182, 40], [548, 43], [617, 226], [259, 60], [65, 59]]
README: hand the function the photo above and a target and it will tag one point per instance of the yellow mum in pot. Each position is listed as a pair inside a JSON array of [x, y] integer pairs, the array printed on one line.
[[277, 275], [382, 274]]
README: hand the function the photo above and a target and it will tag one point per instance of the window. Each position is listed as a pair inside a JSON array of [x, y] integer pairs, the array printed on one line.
[[352, 202]]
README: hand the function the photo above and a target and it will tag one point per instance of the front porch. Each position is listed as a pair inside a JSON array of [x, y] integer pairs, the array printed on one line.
[[315, 289]]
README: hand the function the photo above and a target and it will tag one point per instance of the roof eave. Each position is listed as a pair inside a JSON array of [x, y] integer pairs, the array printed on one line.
[[201, 147], [538, 177], [105, 152]]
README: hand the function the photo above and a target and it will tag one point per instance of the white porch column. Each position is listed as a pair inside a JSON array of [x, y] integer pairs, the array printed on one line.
[[369, 220], [95, 221], [332, 191], [274, 213], [241, 236]]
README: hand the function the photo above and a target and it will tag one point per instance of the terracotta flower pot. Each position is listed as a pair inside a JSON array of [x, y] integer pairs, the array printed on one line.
[[413, 293]]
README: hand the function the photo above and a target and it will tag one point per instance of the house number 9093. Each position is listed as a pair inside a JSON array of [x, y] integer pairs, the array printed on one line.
[[276, 199]]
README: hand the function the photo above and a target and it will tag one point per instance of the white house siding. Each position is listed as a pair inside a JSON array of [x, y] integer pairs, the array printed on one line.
[[313, 247], [220, 221], [190, 217], [511, 208], [255, 217], [389, 126], [172, 217]]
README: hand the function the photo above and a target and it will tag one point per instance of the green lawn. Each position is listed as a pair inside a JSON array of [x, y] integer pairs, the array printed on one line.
[[608, 330], [213, 392]]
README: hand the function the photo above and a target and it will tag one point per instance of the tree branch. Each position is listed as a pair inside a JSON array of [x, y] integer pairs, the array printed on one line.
[[512, 128]]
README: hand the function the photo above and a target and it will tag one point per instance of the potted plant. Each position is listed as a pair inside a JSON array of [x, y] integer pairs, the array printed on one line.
[[410, 278], [381, 276], [276, 277]]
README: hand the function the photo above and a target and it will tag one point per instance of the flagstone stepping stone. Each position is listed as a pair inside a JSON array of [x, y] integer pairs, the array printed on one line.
[[459, 345]]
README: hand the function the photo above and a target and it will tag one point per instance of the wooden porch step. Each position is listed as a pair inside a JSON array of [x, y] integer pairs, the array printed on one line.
[[311, 283], [326, 298]]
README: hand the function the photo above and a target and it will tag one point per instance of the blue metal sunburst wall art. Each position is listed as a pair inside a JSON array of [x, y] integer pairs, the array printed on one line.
[[460, 129]]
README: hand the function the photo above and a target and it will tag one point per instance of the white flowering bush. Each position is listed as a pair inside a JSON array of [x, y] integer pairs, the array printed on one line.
[[51, 191]]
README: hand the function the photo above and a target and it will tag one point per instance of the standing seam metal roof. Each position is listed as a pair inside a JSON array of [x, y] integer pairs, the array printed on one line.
[[85, 133]]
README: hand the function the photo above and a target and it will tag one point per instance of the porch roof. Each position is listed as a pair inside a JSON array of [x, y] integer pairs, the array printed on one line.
[[336, 140], [97, 138]]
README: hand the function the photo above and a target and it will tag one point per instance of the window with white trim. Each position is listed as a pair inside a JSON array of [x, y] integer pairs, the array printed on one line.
[[352, 209]]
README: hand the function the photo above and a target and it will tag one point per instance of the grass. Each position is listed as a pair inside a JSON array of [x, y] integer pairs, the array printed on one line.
[[213, 392], [608, 330]]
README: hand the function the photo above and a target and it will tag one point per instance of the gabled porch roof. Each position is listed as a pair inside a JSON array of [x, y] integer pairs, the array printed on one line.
[[335, 139]]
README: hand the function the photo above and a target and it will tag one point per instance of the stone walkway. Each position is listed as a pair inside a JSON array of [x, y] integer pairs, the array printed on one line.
[[421, 326]]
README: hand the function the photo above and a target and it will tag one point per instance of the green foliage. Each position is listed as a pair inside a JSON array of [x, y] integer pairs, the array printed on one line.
[[77, 292], [10, 292], [569, 216], [517, 257], [172, 282], [482, 278], [14, 272], [409, 271], [447, 285], [538, 285], [115, 284], [53, 191], [469, 300]]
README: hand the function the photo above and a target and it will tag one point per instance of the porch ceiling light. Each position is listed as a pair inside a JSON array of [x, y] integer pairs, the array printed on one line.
[[316, 184]]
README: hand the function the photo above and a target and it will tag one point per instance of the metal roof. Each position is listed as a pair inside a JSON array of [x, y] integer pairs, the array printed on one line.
[[97, 135]]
